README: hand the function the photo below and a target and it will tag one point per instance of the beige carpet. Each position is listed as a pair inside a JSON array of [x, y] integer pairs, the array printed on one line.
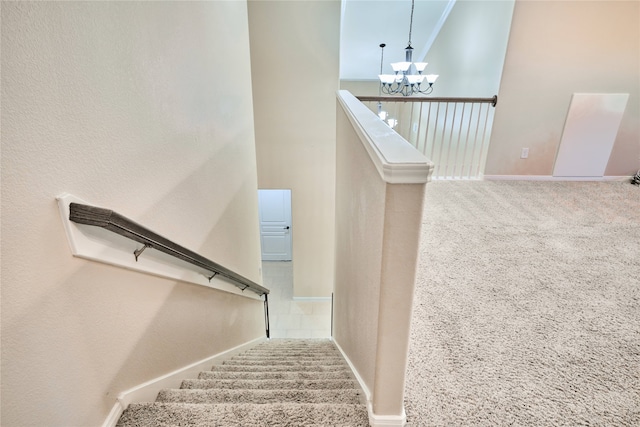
[[527, 309], [279, 383]]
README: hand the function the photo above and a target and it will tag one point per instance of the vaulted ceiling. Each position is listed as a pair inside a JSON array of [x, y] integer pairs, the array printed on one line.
[[368, 23]]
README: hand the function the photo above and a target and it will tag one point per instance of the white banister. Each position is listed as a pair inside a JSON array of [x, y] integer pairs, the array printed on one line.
[[453, 132]]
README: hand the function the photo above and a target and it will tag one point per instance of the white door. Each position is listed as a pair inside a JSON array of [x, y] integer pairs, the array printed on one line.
[[275, 224]]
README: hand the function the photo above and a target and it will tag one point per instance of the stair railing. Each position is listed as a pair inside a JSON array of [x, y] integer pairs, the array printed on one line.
[[452, 132], [116, 223]]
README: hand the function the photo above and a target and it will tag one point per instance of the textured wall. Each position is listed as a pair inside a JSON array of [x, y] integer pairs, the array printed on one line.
[[557, 49], [294, 59], [130, 106], [360, 202], [469, 51], [377, 232]]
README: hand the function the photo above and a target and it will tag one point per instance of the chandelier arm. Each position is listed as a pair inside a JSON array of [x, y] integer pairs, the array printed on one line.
[[418, 89]]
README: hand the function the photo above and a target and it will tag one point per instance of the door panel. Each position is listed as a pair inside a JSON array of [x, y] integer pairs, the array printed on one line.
[[275, 224]]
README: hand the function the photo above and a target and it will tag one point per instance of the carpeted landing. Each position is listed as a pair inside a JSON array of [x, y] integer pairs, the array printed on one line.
[[277, 383]]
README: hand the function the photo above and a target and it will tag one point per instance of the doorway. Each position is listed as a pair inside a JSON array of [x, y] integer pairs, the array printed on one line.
[[275, 224]]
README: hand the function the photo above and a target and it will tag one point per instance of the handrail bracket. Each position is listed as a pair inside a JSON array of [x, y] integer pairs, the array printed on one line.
[[138, 252]]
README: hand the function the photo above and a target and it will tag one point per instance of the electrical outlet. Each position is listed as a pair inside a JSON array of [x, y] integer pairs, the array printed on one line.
[[524, 154], [415, 127]]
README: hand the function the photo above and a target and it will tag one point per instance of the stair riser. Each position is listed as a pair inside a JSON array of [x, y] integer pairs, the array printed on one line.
[[349, 396], [269, 384], [185, 414], [302, 375], [288, 354], [291, 363], [278, 368]]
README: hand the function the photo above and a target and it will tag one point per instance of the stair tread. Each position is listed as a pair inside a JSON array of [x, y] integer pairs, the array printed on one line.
[[281, 375], [246, 414], [279, 368], [351, 396], [293, 362], [272, 355], [266, 384]]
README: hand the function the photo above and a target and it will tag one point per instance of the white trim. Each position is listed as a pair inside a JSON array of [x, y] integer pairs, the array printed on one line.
[[114, 415], [96, 244], [555, 178], [312, 299], [374, 420], [397, 161], [147, 392], [363, 385], [387, 420]]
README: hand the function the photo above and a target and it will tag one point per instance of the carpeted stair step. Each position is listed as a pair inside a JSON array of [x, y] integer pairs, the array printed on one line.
[[270, 384], [281, 383], [293, 362], [279, 414], [283, 349], [283, 360], [279, 368], [276, 344], [278, 375], [350, 396], [311, 355]]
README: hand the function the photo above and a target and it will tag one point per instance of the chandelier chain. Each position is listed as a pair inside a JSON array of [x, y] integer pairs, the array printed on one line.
[[411, 22]]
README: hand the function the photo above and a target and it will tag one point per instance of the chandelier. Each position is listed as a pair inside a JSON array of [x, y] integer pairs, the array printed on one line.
[[408, 77]]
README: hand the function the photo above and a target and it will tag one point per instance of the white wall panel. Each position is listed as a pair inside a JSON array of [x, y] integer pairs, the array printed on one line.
[[589, 133]]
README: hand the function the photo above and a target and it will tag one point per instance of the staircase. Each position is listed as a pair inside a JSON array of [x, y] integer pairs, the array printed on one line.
[[277, 383]]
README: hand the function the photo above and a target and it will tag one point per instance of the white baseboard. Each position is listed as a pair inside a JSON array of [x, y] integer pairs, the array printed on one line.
[[114, 415], [374, 420], [387, 420], [312, 299], [554, 178], [148, 391]]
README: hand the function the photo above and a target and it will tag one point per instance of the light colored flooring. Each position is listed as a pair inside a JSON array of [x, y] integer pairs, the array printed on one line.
[[289, 317]]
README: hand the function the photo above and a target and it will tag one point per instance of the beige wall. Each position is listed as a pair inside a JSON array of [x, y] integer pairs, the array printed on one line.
[[556, 49], [361, 87], [133, 107], [379, 194], [294, 59], [360, 225], [469, 52]]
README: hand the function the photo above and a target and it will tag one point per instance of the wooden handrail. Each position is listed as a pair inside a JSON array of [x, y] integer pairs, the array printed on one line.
[[493, 101], [116, 223]]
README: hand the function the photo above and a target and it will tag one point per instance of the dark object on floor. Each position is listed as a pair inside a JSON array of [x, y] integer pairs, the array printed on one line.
[[636, 179]]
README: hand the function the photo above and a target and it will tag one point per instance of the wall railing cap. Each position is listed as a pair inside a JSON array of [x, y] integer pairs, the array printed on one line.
[[397, 161]]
